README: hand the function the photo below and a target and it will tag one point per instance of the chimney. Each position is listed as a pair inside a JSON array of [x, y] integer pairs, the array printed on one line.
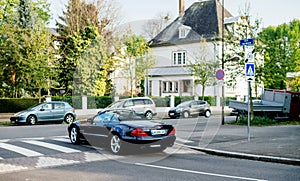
[[181, 8]]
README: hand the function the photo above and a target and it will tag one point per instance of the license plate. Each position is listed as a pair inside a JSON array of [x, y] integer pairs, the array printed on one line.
[[171, 114], [157, 132]]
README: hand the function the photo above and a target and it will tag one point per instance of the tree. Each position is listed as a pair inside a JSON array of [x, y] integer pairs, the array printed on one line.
[[8, 12], [203, 68], [234, 59], [92, 73], [155, 25], [26, 47], [137, 59], [77, 33], [282, 52]]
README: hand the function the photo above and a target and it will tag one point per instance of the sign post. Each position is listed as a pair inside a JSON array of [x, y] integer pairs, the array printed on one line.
[[249, 72]]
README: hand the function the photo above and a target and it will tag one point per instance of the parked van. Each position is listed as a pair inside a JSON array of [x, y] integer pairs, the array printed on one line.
[[143, 106]]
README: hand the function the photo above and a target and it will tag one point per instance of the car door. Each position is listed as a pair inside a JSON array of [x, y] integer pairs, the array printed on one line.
[[194, 108], [139, 106], [44, 112], [128, 104], [97, 130], [58, 111], [202, 105]]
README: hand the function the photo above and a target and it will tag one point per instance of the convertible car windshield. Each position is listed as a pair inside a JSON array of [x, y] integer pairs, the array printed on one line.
[[116, 115]]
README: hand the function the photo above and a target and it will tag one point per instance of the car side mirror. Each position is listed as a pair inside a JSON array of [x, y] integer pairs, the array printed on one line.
[[90, 120], [42, 109]]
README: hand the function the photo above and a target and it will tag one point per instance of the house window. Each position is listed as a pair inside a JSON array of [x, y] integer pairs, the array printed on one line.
[[183, 31], [170, 87], [176, 86], [150, 88], [186, 85], [179, 58], [165, 86]]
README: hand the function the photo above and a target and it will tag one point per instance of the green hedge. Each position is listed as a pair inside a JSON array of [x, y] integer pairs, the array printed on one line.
[[161, 101], [13, 105], [99, 102], [93, 102]]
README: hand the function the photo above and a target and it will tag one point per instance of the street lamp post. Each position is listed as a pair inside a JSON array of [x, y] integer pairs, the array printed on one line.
[[223, 91]]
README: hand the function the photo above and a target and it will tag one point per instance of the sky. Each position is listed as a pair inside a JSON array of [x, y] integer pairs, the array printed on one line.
[[271, 12]]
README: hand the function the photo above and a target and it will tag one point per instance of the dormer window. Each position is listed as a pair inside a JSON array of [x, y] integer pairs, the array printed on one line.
[[184, 31]]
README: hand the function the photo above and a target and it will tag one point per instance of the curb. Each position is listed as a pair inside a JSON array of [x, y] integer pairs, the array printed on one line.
[[247, 156]]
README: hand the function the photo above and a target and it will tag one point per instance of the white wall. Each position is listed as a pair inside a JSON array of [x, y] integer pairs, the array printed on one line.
[[163, 54]]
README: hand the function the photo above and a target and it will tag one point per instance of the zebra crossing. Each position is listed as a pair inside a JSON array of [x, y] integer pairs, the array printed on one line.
[[24, 154]]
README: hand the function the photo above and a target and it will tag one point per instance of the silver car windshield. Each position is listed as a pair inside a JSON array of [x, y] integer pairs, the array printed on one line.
[[115, 104], [184, 104]]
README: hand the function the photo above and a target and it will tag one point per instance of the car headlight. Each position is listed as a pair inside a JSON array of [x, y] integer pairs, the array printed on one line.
[[22, 114], [179, 110]]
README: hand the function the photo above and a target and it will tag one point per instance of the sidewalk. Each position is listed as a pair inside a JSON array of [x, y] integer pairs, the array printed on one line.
[[280, 144]]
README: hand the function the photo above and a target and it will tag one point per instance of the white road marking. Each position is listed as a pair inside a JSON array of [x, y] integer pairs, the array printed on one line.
[[20, 150], [52, 146], [65, 140], [183, 140], [198, 172], [52, 162]]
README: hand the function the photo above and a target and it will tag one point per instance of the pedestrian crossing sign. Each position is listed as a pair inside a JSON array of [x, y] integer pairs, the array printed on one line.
[[250, 71]]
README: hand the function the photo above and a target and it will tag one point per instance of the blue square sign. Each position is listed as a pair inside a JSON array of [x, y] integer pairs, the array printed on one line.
[[250, 71]]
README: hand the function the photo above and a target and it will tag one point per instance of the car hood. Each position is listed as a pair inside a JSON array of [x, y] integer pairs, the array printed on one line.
[[23, 112], [179, 107]]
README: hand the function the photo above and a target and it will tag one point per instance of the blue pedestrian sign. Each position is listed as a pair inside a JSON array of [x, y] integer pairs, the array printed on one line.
[[247, 42], [250, 71]]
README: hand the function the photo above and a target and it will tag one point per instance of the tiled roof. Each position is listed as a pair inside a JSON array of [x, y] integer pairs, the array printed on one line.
[[204, 18]]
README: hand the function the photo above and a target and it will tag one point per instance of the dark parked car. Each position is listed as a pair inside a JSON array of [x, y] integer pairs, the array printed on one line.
[[47, 111], [190, 108], [121, 130]]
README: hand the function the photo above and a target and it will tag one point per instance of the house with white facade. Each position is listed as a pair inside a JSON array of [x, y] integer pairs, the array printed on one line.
[[179, 43]]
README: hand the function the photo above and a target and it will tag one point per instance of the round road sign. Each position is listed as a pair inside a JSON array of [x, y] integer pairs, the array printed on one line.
[[220, 74]]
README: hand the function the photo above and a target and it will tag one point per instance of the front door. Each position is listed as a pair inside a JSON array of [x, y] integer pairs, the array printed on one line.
[[45, 112]]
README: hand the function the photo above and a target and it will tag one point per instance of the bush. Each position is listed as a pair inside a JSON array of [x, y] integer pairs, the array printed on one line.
[[13, 105], [180, 99], [93, 102], [74, 101], [211, 100], [257, 121], [161, 101], [102, 102]]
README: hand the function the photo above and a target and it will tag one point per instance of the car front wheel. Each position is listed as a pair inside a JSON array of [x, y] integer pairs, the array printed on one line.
[[149, 115], [31, 119]]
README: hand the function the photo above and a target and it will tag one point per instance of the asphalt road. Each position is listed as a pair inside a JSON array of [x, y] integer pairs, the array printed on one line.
[[60, 160]]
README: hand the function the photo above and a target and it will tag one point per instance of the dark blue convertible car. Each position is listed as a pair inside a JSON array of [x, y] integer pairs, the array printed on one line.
[[121, 130]]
